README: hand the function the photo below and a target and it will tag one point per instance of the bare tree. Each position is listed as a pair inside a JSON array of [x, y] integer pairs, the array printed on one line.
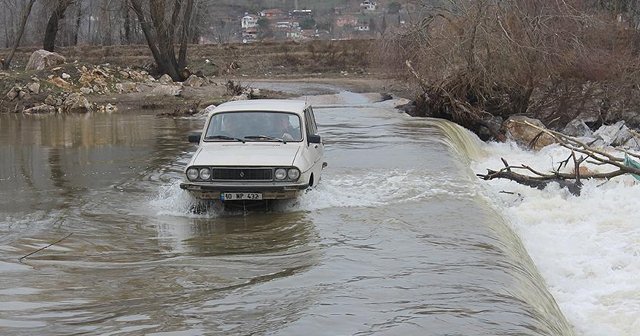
[[159, 25], [184, 38], [78, 22], [126, 25], [201, 11], [23, 22], [52, 25], [223, 31], [8, 15]]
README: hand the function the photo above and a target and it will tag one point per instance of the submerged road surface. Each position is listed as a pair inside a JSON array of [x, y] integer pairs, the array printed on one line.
[[394, 241]]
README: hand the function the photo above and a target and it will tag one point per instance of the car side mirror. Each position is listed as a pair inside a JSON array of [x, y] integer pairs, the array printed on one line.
[[195, 137], [315, 139]]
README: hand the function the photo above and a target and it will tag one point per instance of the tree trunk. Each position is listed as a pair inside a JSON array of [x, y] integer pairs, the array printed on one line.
[[52, 25], [5, 19], [107, 26], [146, 29], [127, 24], [76, 32], [25, 15], [196, 21], [160, 34], [182, 54], [168, 63]]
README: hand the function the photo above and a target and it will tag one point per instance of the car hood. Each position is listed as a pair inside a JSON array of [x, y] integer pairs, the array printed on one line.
[[247, 154]]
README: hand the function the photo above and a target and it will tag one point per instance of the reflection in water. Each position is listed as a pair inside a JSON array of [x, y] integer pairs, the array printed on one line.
[[395, 239], [237, 233], [64, 131]]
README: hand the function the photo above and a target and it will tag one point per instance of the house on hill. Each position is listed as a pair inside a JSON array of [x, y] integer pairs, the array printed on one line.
[[368, 5], [249, 21]]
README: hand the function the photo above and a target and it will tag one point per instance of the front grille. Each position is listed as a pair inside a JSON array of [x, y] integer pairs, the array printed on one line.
[[242, 174]]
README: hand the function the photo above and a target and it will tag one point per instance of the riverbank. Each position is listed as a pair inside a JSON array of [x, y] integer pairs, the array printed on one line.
[[120, 78]]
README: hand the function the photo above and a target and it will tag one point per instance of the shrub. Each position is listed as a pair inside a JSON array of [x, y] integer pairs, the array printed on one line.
[[475, 60]]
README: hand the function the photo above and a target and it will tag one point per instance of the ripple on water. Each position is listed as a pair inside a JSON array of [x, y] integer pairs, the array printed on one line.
[[12, 267]]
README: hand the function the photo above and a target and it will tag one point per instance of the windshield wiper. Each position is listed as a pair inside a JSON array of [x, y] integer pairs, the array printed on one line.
[[251, 137], [222, 137]]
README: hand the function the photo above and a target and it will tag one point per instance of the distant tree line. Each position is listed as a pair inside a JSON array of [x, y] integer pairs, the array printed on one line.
[[162, 24], [85, 22]]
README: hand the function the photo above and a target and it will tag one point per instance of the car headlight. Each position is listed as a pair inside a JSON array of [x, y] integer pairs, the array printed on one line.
[[192, 174], [293, 174], [281, 174], [205, 173]]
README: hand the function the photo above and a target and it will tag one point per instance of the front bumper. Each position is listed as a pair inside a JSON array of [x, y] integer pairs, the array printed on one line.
[[208, 191]]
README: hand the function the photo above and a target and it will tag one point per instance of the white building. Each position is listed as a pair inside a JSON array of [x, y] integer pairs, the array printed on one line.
[[249, 21], [368, 5]]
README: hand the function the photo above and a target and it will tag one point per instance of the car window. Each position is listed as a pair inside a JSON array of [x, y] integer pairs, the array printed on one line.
[[254, 126]]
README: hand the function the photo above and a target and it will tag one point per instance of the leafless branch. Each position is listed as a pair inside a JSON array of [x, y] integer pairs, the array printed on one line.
[[45, 247], [573, 181]]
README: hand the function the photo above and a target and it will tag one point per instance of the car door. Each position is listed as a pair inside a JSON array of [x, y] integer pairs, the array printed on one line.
[[316, 150]]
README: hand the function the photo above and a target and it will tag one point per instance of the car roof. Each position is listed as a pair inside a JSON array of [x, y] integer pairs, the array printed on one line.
[[279, 105]]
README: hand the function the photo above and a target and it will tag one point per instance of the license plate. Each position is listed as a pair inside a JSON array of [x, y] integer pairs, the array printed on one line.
[[240, 196]]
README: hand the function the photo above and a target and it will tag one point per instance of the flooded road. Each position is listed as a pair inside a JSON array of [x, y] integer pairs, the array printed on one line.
[[394, 241]]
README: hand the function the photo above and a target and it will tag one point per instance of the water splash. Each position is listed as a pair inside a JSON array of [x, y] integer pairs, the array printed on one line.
[[170, 200], [348, 190], [585, 247]]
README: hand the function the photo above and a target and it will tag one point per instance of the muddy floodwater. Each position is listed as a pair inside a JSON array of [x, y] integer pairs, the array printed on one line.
[[394, 241]]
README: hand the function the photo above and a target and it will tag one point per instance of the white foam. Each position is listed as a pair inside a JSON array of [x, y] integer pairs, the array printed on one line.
[[377, 188], [374, 188], [587, 247], [170, 200]]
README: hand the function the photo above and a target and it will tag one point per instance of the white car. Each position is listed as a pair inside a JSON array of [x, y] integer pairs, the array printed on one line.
[[256, 150]]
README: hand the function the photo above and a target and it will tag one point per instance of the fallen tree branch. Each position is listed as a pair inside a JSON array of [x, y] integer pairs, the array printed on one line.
[[572, 181], [43, 248], [538, 182]]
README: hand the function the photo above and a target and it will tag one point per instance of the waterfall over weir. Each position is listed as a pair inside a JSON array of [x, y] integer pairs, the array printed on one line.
[[520, 280]]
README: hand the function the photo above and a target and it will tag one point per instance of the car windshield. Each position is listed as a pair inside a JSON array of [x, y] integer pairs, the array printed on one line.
[[254, 126]]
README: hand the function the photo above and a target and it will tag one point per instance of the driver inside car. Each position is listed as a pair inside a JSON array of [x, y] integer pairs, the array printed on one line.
[[282, 129]]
